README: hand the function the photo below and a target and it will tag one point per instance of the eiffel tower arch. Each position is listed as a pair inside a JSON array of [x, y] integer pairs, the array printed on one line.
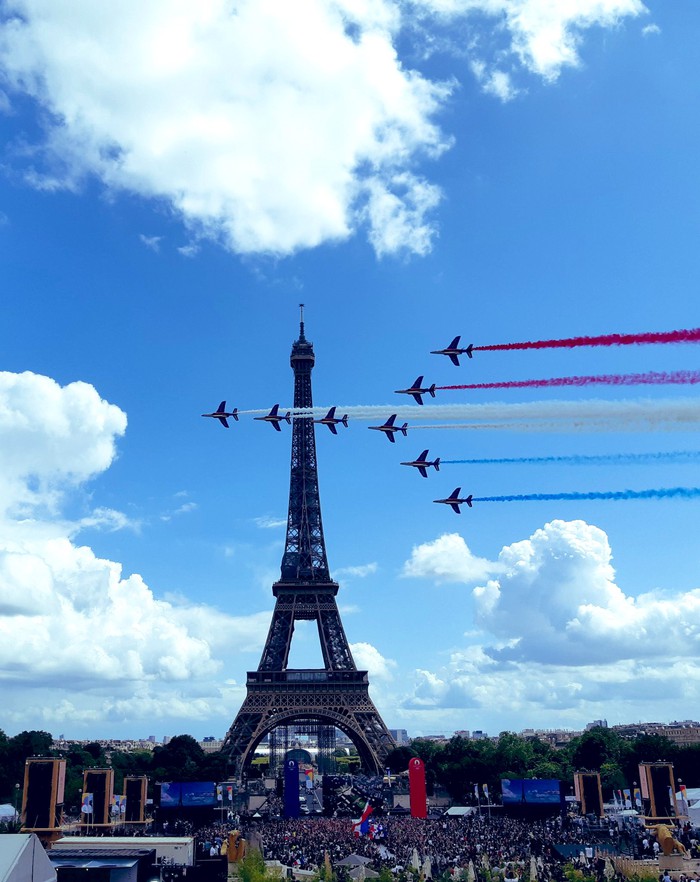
[[337, 694]]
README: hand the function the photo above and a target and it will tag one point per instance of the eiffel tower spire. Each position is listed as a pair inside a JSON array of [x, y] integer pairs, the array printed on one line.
[[304, 558], [336, 695]]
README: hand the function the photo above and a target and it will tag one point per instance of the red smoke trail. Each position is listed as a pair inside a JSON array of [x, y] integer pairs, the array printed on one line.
[[691, 335], [652, 378]]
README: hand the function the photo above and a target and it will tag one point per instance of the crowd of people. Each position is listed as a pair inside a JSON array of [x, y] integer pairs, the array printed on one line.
[[497, 845]]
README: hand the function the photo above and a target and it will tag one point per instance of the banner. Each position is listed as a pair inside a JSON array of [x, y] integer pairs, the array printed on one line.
[[291, 789], [86, 804], [416, 787], [118, 806]]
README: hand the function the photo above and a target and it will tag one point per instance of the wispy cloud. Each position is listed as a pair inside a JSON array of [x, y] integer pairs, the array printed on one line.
[[267, 522], [356, 572], [109, 519], [152, 242]]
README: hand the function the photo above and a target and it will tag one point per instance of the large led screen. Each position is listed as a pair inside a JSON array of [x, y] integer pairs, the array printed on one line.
[[511, 791], [531, 791], [541, 791], [198, 793], [170, 793]]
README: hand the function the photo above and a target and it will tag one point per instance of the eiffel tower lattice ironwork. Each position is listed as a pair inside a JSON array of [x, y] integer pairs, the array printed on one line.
[[338, 694]]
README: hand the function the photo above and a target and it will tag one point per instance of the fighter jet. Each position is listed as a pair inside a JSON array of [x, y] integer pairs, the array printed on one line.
[[416, 390], [275, 418], [221, 415], [332, 421], [453, 351], [454, 500], [389, 428], [422, 463]]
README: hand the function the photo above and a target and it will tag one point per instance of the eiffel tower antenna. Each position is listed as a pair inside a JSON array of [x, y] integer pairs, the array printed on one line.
[[337, 694]]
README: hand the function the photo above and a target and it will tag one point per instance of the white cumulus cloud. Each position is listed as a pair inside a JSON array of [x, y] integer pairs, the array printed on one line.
[[52, 437], [79, 640], [267, 126], [368, 658], [270, 127], [558, 633], [447, 559]]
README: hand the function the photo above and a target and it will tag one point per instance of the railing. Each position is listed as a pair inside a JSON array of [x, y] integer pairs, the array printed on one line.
[[311, 676]]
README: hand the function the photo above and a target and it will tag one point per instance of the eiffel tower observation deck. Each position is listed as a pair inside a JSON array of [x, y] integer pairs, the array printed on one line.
[[336, 695]]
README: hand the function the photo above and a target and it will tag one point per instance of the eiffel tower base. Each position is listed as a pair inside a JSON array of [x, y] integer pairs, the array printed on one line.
[[335, 698]]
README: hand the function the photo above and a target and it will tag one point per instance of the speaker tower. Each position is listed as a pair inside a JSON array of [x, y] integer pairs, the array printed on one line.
[[42, 800]]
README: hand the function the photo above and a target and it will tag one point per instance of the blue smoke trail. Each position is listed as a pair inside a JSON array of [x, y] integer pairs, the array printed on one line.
[[672, 456], [615, 495]]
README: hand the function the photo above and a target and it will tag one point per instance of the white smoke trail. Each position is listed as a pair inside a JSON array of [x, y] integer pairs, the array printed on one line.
[[626, 412], [560, 427]]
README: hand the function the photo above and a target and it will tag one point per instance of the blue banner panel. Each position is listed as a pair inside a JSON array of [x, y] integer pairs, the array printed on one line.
[[291, 789]]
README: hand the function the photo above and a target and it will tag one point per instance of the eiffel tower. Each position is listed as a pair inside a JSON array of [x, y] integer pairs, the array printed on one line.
[[338, 694]]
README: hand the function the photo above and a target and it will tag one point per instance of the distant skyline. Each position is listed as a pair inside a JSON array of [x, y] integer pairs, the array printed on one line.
[[175, 179]]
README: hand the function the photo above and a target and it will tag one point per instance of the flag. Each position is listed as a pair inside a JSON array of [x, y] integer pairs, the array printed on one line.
[[476, 791], [637, 797], [86, 804], [229, 792], [219, 793], [485, 788], [361, 827], [628, 797]]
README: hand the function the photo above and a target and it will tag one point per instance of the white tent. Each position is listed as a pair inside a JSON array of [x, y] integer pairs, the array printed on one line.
[[692, 795], [459, 811], [7, 812], [23, 859]]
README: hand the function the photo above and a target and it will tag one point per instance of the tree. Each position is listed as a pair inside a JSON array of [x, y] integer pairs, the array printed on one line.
[[398, 758], [595, 747], [178, 760], [514, 756], [18, 749], [461, 764]]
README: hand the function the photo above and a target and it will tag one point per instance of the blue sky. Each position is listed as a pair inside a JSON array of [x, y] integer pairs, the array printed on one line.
[[174, 182]]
